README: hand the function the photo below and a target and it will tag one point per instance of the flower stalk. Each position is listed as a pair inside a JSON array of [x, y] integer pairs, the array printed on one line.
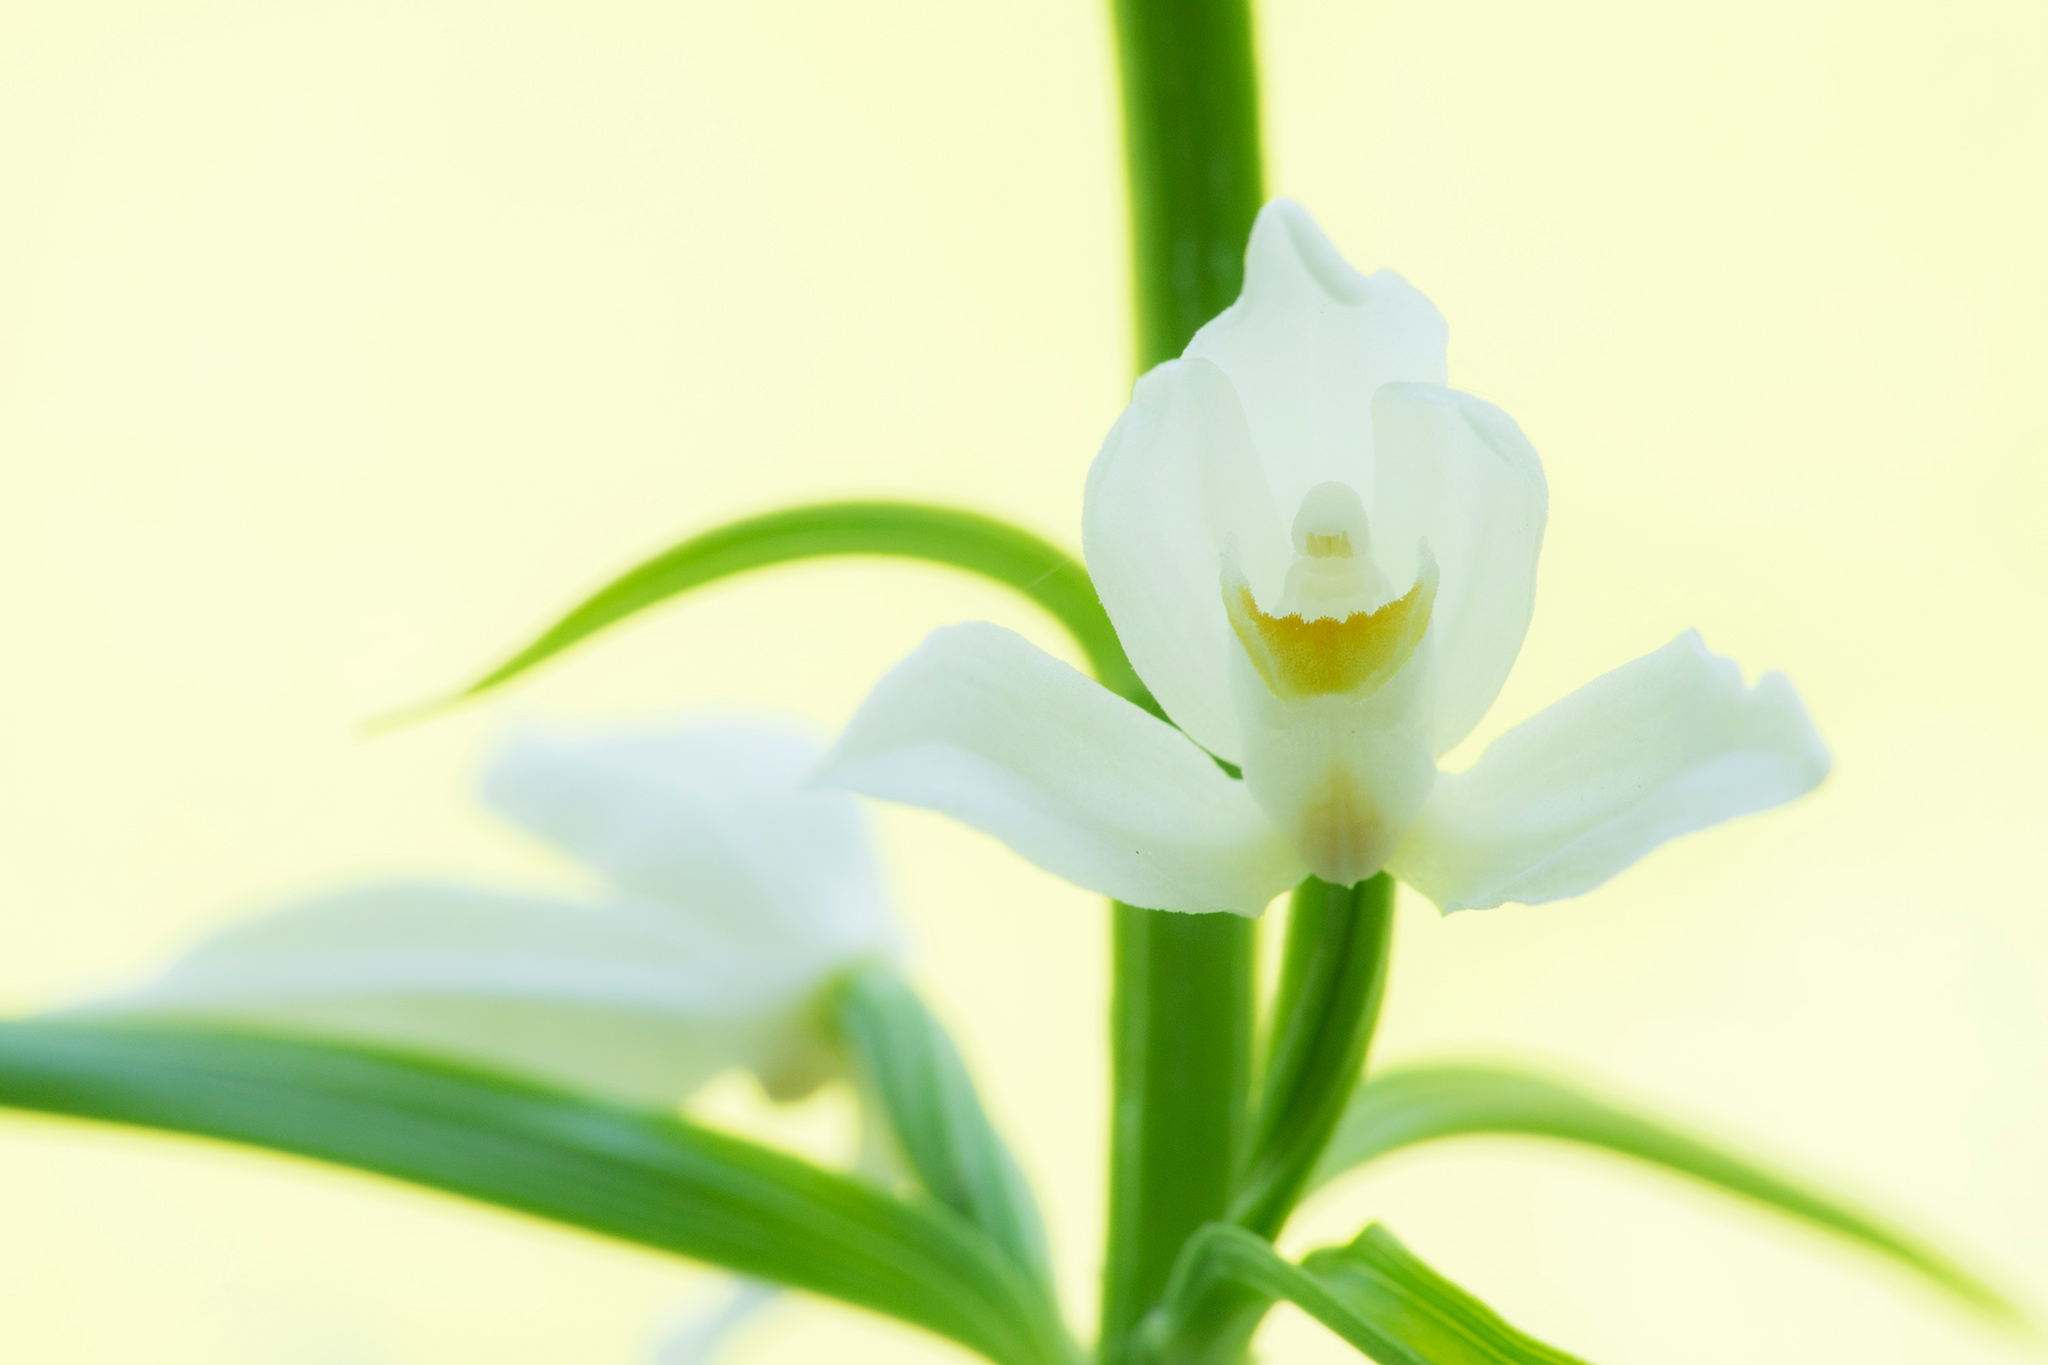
[[1181, 1017], [1191, 155], [1332, 978], [1180, 1067]]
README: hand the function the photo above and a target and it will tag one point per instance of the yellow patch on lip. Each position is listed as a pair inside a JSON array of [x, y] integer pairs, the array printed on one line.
[[1352, 655]]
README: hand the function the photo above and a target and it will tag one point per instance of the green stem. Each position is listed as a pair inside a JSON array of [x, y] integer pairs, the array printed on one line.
[[1331, 982], [1181, 1020], [1181, 1049], [1191, 150]]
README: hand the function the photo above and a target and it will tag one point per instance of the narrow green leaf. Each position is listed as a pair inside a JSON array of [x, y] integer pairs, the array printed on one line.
[[638, 1177], [1377, 1280], [939, 535], [1332, 978], [1374, 1293], [907, 1060], [1417, 1104]]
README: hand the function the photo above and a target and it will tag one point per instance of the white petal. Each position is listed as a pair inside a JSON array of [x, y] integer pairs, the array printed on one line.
[[982, 725], [710, 819], [1457, 472], [1176, 484], [622, 1000], [1307, 343], [699, 1337], [1344, 778], [1658, 748]]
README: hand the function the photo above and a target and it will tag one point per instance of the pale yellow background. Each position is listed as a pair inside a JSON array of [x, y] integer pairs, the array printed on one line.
[[340, 344]]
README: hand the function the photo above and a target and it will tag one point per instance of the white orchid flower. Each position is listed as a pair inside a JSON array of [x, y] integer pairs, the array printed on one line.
[[731, 896], [1322, 563]]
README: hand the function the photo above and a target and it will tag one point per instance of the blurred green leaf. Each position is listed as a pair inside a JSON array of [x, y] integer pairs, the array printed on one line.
[[1374, 1293], [639, 1177], [1402, 1107], [908, 1062], [939, 535]]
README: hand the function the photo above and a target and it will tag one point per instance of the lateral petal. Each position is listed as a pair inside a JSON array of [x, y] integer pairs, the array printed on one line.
[[1668, 744], [981, 725], [1176, 485], [1307, 343], [618, 999], [1458, 473]]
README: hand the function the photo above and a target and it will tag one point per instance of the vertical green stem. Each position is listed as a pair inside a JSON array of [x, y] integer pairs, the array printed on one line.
[[1331, 982], [1181, 1056], [1181, 1023], [1191, 150]]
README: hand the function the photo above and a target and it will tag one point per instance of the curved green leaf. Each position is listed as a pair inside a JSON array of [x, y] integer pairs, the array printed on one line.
[[1332, 979], [639, 1177], [905, 1057], [939, 535], [1417, 1104], [1374, 1293]]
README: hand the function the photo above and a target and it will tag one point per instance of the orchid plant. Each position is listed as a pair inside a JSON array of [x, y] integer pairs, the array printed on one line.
[[1309, 568]]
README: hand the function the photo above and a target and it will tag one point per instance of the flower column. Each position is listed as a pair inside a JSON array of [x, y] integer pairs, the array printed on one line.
[[1181, 1020]]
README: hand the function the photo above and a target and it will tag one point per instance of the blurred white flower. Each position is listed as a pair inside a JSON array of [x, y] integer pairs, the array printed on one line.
[[699, 1336], [732, 895], [1322, 563]]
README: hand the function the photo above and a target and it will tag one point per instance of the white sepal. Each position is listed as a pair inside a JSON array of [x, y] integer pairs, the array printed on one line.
[[1306, 345], [1660, 747], [983, 726]]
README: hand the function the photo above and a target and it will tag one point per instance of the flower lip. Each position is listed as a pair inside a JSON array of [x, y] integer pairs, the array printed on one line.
[[1335, 636]]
